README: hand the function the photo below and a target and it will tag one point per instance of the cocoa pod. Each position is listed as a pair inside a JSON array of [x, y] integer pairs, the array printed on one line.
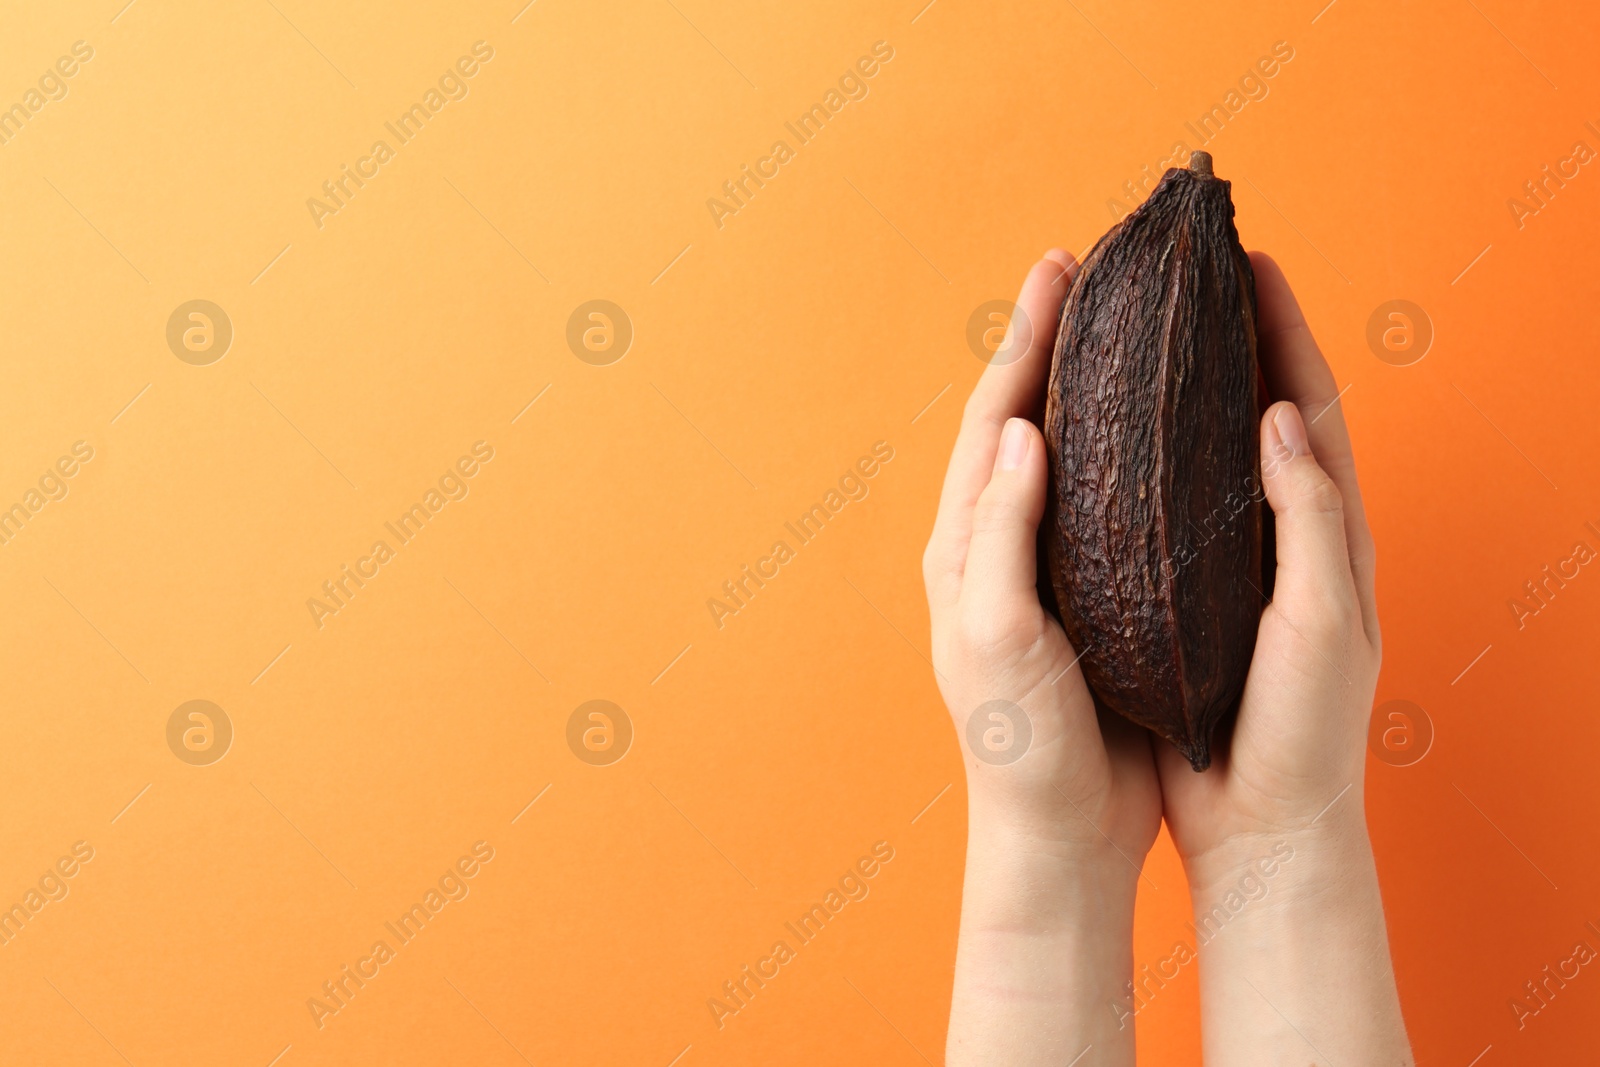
[[1156, 537]]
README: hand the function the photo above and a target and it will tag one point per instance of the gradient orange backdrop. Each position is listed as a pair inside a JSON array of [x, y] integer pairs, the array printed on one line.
[[771, 348]]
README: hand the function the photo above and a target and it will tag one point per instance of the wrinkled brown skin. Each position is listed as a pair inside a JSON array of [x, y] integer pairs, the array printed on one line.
[[1154, 527]]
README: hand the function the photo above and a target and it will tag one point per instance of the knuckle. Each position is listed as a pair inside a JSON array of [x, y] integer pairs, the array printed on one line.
[[1344, 620], [996, 513], [1317, 493], [996, 634], [1325, 616], [1322, 643], [977, 416], [977, 633], [1364, 560], [942, 562], [1335, 618]]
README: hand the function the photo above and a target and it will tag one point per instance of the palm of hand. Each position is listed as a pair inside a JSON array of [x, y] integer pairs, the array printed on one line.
[[1090, 776], [1299, 741], [1297, 745], [1005, 667]]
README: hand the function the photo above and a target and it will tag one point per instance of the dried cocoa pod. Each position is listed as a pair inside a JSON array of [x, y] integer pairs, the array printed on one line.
[[1155, 524]]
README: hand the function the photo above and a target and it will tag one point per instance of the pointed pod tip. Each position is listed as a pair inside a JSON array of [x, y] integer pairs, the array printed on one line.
[[1200, 163]]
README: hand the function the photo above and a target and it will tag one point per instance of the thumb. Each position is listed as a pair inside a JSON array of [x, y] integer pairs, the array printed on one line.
[[1002, 557], [1313, 558]]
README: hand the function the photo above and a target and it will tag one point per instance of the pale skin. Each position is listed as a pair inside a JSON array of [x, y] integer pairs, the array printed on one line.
[[1057, 838]]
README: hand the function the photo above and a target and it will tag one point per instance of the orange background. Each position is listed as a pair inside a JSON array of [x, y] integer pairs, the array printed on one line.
[[826, 315]]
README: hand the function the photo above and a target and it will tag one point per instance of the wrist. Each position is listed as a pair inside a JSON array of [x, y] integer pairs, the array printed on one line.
[[1293, 881], [1073, 816], [1021, 881], [1299, 861], [1045, 949], [1053, 868], [1289, 925]]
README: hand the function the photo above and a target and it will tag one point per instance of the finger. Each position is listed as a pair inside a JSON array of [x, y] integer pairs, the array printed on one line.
[[1006, 390], [1314, 580], [1015, 374], [1296, 371], [998, 585]]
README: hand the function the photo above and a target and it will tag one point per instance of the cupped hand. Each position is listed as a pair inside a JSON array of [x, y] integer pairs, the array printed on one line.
[[1299, 743], [1038, 753]]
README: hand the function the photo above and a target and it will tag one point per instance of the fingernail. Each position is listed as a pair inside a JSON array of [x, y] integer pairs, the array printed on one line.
[[1291, 431], [1013, 444]]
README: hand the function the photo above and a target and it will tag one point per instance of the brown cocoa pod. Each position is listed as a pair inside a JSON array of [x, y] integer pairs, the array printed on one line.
[[1155, 524]]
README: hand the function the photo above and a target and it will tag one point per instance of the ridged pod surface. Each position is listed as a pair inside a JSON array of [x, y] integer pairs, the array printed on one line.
[[1156, 537]]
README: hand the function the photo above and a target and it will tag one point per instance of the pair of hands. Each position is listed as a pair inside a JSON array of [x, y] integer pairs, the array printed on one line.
[[1057, 838]]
